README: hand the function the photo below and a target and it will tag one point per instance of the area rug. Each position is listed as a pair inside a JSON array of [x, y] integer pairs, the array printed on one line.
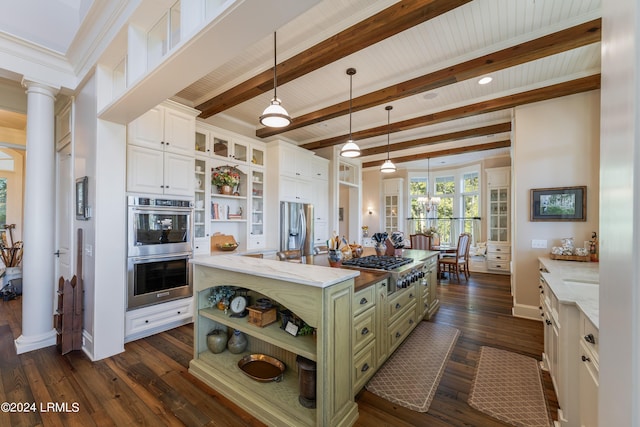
[[508, 386], [411, 375]]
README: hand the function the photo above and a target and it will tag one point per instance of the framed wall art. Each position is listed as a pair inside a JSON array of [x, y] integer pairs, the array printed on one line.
[[82, 196], [559, 204]]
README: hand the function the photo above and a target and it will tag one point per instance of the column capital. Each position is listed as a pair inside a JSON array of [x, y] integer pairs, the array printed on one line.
[[35, 86]]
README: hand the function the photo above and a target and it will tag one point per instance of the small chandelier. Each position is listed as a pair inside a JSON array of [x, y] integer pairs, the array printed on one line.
[[429, 202], [350, 149], [388, 166], [275, 116]]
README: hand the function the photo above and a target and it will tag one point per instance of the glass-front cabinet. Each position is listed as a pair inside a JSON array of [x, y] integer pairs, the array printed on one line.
[[237, 210], [499, 214]]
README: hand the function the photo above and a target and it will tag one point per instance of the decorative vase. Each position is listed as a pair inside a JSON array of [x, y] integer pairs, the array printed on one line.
[[237, 343], [380, 248], [222, 305], [225, 189], [217, 341], [335, 258]]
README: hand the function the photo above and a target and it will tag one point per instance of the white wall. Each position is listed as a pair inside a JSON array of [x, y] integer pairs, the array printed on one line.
[[555, 144], [619, 395]]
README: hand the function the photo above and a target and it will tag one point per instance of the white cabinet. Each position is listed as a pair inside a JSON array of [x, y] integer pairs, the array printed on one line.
[[226, 146], [297, 175], [393, 204], [295, 162], [499, 220], [152, 171], [320, 193], [151, 320], [588, 372], [168, 127]]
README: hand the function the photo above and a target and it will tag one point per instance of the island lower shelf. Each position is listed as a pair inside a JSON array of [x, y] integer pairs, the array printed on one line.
[[273, 334], [221, 372]]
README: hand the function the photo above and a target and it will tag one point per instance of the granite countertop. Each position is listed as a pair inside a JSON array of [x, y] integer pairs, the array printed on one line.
[[305, 274], [576, 283]]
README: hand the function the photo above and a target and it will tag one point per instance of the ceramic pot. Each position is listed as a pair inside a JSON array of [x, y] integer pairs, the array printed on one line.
[[335, 258], [217, 341], [237, 343], [225, 189]]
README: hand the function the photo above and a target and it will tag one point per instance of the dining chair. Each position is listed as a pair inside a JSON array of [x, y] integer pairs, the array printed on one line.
[[291, 256], [420, 241], [459, 262]]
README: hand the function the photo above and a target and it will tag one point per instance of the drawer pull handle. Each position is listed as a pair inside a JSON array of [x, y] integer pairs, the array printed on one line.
[[364, 331], [585, 358], [411, 321], [398, 334], [411, 296], [548, 322], [590, 338], [398, 306], [364, 368], [363, 301]]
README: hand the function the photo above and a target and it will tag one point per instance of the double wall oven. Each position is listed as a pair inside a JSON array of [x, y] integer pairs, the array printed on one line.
[[160, 233]]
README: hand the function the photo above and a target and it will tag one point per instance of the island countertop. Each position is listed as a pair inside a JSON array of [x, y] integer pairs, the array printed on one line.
[[305, 274], [575, 283]]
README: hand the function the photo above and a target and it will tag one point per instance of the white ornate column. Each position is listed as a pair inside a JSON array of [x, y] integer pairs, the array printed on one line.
[[38, 263]]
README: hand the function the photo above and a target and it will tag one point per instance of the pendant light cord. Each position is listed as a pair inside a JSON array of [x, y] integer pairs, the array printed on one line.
[[350, 103], [388, 130], [275, 64]]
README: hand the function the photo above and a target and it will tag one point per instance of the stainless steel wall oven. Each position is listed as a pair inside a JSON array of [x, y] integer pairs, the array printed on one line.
[[159, 248]]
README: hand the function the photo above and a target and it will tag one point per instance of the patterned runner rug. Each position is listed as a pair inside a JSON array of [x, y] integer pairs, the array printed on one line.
[[427, 349], [507, 386]]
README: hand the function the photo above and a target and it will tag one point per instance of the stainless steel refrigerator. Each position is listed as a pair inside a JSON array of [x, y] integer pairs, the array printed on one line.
[[296, 227]]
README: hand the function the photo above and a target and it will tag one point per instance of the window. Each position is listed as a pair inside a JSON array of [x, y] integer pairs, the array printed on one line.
[[446, 190], [470, 201], [417, 188]]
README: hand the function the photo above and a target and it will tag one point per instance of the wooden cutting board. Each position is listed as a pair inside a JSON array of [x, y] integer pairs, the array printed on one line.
[[220, 239]]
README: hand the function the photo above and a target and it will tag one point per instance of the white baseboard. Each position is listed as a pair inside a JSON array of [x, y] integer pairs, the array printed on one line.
[[526, 311]]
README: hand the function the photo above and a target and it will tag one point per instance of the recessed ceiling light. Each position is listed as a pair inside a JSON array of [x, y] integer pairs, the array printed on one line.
[[485, 80], [430, 95]]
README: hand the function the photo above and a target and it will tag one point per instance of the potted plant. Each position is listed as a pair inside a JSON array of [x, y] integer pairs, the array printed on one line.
[[225, 178], [221, 296]]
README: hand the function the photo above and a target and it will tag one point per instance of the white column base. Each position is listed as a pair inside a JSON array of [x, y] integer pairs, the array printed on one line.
[[25, 344]]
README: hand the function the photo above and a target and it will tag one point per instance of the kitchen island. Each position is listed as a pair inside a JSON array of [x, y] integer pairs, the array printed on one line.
[[359, 324], [322, 297]]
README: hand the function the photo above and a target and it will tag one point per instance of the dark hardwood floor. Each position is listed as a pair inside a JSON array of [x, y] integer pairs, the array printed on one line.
[[149, 384]]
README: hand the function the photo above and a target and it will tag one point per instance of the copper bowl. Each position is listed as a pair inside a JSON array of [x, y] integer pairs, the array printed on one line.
[[261, 367]]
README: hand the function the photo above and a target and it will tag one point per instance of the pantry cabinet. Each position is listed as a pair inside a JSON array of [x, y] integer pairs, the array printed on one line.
[[168, 127], [160, 151], [152, 171]]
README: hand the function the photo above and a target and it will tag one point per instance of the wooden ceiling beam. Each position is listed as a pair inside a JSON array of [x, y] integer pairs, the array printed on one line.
[[570, 38], [437, 139], [549, 92], [393, 20], [442, 153]]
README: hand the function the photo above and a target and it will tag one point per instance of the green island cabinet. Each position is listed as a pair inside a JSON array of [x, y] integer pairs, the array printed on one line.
[[322, 297]]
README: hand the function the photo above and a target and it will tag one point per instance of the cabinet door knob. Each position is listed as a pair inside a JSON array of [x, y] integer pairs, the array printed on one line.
[[590, 338], [364, 368], [364, 331], [363, 301], [585, 358], [398, 306], [548, 322]]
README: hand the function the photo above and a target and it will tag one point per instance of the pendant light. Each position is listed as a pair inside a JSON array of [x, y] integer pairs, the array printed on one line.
[[388, 166], [350, 149], [275, 116]]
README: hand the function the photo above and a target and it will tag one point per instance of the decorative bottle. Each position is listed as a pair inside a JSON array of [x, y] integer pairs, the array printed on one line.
[[237, 343]]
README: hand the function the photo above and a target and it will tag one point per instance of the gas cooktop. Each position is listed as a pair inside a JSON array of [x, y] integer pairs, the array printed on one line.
[[383, 262]]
